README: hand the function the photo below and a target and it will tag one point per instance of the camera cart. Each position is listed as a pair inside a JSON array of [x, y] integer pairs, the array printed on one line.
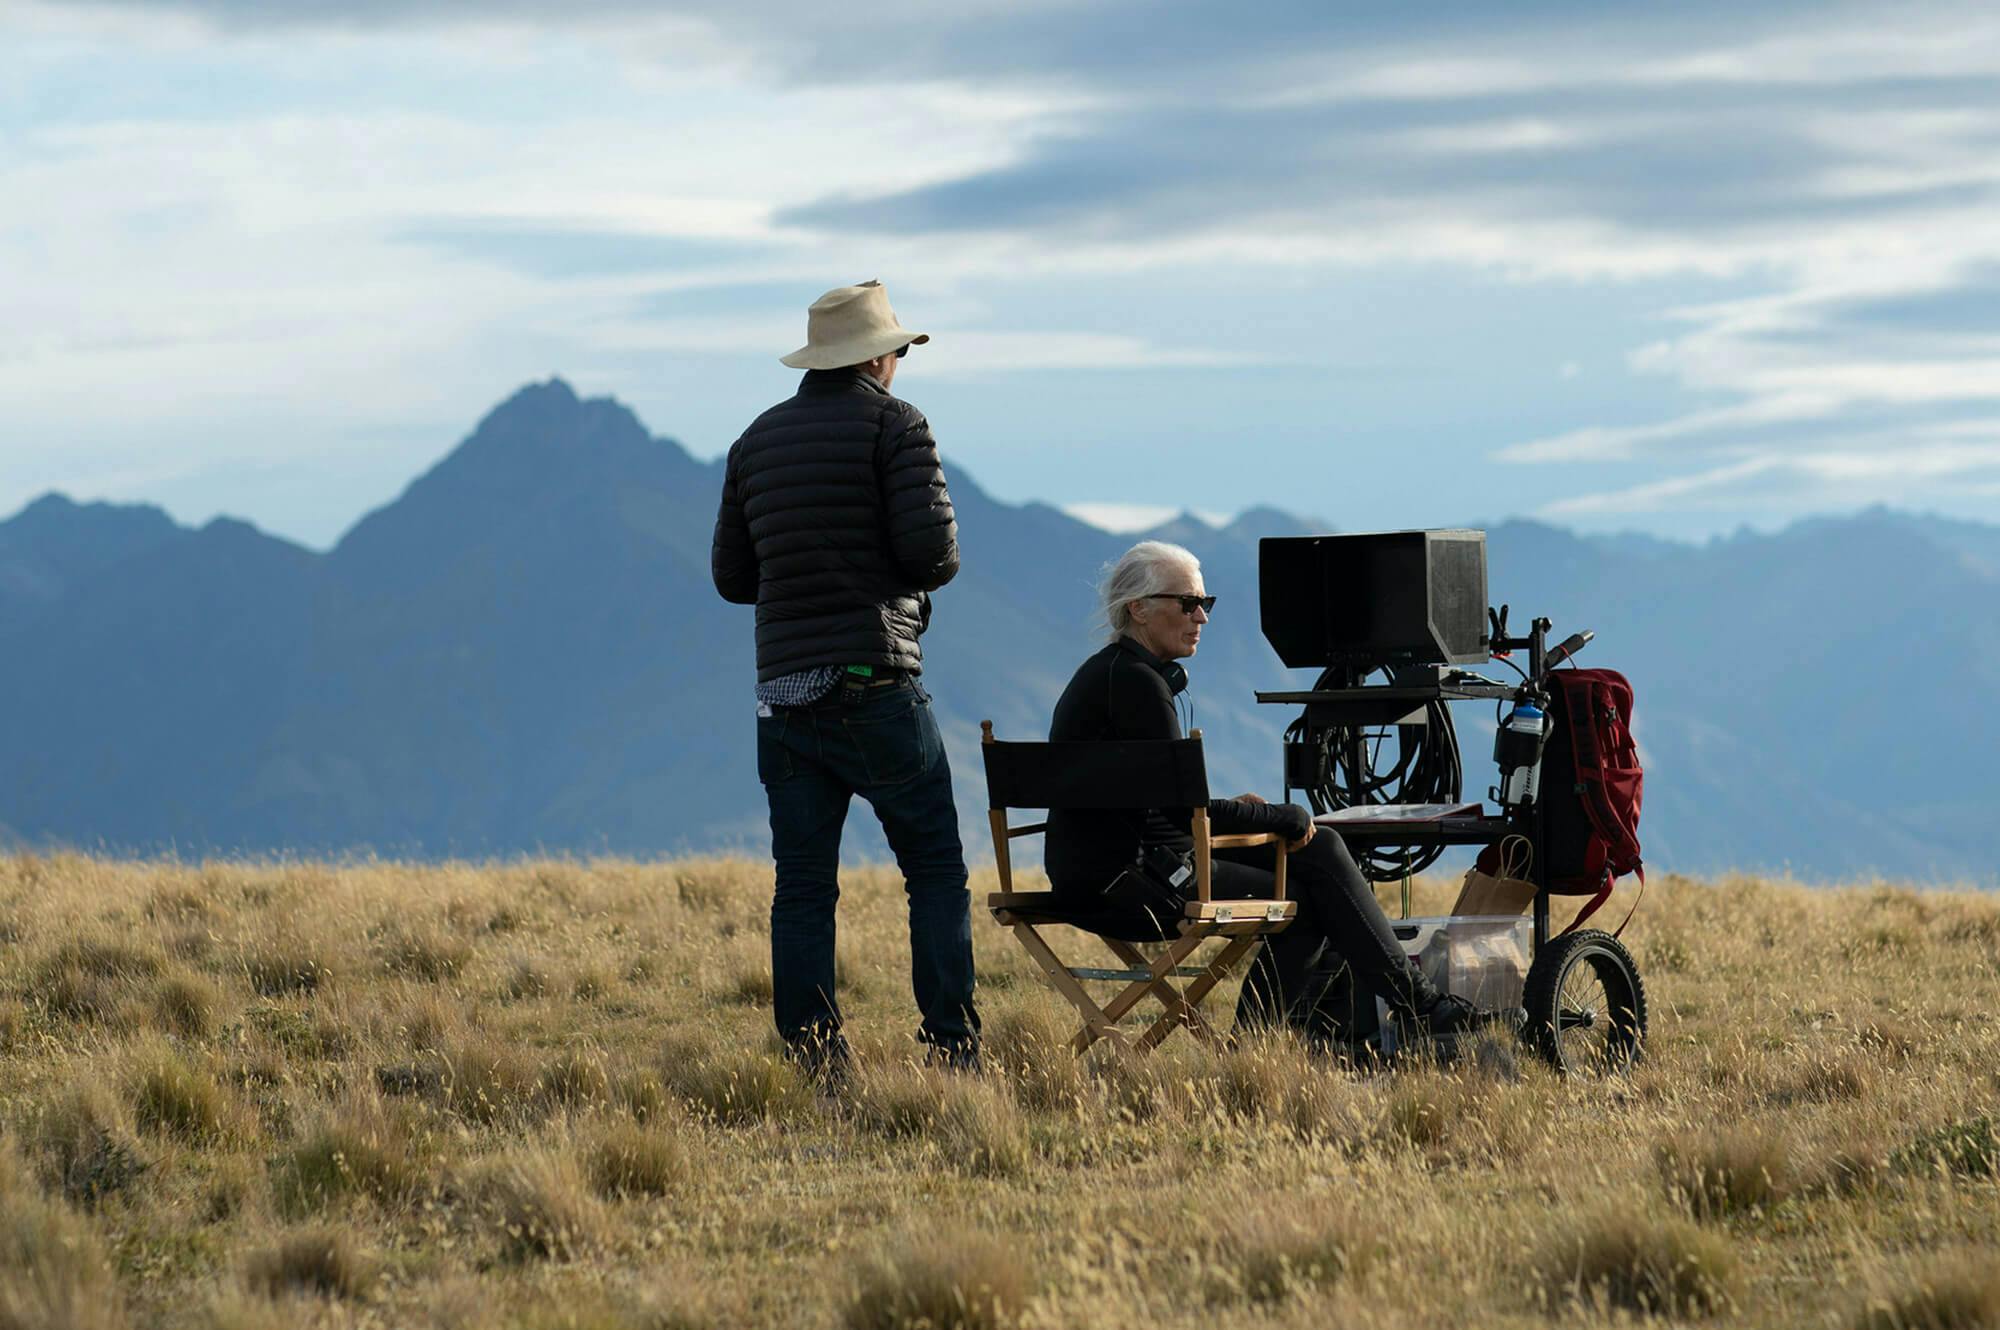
[[1412, 605]]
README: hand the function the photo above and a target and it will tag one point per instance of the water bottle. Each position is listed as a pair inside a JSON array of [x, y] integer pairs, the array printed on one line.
[[1518, 749]]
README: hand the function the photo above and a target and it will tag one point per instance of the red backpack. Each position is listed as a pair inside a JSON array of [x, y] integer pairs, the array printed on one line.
[[1590, 788]]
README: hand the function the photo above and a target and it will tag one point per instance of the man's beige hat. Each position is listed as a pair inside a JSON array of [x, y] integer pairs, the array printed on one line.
[[848, 325]]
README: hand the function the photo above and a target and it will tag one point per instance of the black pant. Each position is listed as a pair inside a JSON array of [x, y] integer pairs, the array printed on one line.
[[1338, 951]]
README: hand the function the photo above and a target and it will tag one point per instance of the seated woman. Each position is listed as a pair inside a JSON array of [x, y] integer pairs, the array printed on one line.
[[1154, 605]]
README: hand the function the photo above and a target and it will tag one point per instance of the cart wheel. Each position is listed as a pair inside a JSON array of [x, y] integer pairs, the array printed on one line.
[[1586, 1004]]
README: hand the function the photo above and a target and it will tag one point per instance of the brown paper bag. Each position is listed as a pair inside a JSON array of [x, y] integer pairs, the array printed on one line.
[[1505, 892]]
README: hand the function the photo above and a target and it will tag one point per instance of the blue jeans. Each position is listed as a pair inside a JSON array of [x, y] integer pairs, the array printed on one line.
[[882, 744]]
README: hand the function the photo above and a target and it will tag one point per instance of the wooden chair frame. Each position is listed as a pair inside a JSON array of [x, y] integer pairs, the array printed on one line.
[[1241, 924]]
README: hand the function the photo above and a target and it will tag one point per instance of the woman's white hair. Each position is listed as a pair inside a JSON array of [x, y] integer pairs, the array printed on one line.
[[1146, 569]]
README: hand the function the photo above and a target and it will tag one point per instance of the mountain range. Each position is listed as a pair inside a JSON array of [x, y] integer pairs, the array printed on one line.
[[522, 653]]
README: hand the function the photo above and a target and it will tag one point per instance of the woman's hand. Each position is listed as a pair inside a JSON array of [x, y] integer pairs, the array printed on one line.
[[1251, 799], [1295, 815]]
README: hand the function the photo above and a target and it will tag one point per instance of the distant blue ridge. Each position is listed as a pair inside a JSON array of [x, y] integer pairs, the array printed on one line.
[[522, 654]]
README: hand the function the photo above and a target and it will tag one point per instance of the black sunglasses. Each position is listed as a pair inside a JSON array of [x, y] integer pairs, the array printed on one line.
[[904, 350], [1189, 604]]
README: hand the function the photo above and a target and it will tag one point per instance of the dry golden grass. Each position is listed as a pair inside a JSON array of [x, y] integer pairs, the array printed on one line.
[[546, 1094]]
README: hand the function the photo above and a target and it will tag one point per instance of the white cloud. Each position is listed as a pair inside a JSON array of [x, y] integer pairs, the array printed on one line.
[[1883, 471], [1120, 518], [1128, 518]]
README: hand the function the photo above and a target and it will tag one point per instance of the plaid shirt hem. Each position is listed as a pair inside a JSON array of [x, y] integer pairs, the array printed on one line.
[[801, 689]]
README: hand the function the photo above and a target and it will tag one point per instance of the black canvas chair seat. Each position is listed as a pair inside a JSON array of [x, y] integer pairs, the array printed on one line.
[[1105, 776]]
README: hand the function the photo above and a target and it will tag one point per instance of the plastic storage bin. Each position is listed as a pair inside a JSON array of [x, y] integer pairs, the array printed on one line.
[[1482, 958]]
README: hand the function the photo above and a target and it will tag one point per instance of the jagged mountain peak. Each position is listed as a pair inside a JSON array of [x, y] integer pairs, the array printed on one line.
[[1261, 520], [549, 415], [544, 450], [54, 542], [55, 511]]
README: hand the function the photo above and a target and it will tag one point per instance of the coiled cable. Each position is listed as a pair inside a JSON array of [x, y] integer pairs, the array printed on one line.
[[1349, 772]]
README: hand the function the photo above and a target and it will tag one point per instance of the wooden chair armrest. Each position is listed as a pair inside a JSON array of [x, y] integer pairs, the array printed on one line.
[[1244, 839], [1240, 911]]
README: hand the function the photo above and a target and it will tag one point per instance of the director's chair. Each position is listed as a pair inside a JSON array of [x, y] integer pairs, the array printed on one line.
[[1125, 775]]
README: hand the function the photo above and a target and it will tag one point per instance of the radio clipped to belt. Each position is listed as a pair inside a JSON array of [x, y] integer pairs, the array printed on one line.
[[1155, 885], [870, 676]]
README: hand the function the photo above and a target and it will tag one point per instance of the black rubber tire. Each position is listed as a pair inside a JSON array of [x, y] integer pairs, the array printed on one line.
[[1586, 1005]]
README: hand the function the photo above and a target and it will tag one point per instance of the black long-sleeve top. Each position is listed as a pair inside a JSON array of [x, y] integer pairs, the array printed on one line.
[[1126, 692]]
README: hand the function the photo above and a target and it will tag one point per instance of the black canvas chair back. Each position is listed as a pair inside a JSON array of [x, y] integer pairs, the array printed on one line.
[[1114, 774], [1124, 775]]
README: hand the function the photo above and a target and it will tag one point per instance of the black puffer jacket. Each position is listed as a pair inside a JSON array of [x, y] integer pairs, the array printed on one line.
[[835, 523], [1126, 692]]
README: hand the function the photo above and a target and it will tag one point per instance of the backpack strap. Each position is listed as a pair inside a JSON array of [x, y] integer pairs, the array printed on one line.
[[1603, 895], [1590, 907]]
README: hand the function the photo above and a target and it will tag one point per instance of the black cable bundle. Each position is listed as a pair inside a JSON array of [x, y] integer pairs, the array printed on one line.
[[1426, 771]]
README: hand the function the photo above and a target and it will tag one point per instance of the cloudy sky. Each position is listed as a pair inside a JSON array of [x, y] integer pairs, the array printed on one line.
[[1668, 268]]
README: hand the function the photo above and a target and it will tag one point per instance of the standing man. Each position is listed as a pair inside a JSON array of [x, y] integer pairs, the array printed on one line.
[[835, 523]]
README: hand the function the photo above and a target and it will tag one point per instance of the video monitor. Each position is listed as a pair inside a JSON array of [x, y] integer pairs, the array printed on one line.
[[1374, 599]]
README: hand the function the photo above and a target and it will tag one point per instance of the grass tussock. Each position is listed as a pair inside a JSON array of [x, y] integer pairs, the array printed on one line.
[[359, 1148], [900, 1100], [1656, 1267], [1724, 1171], [750, 984], [487, 1080], [575, 1078], [539, 1207], [54, 1275], [953, 1279], [86, 1146], [667, 1307], [173, 1097], [627, 1159], [973, 1124], [181, 902], [1852, 1160], [1255, 1082], [301, 1033], [186, 1005], [983, 1131], [429, 955], [1029, 1047], [527, 979], [1263, 1256], [734, 887], [1959, 1292], [1968, 1148], [643, 1096], [285, 966], [1438, 1114], [1834, 1078], [738, 1087], [93, 979], [321, 1262]]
